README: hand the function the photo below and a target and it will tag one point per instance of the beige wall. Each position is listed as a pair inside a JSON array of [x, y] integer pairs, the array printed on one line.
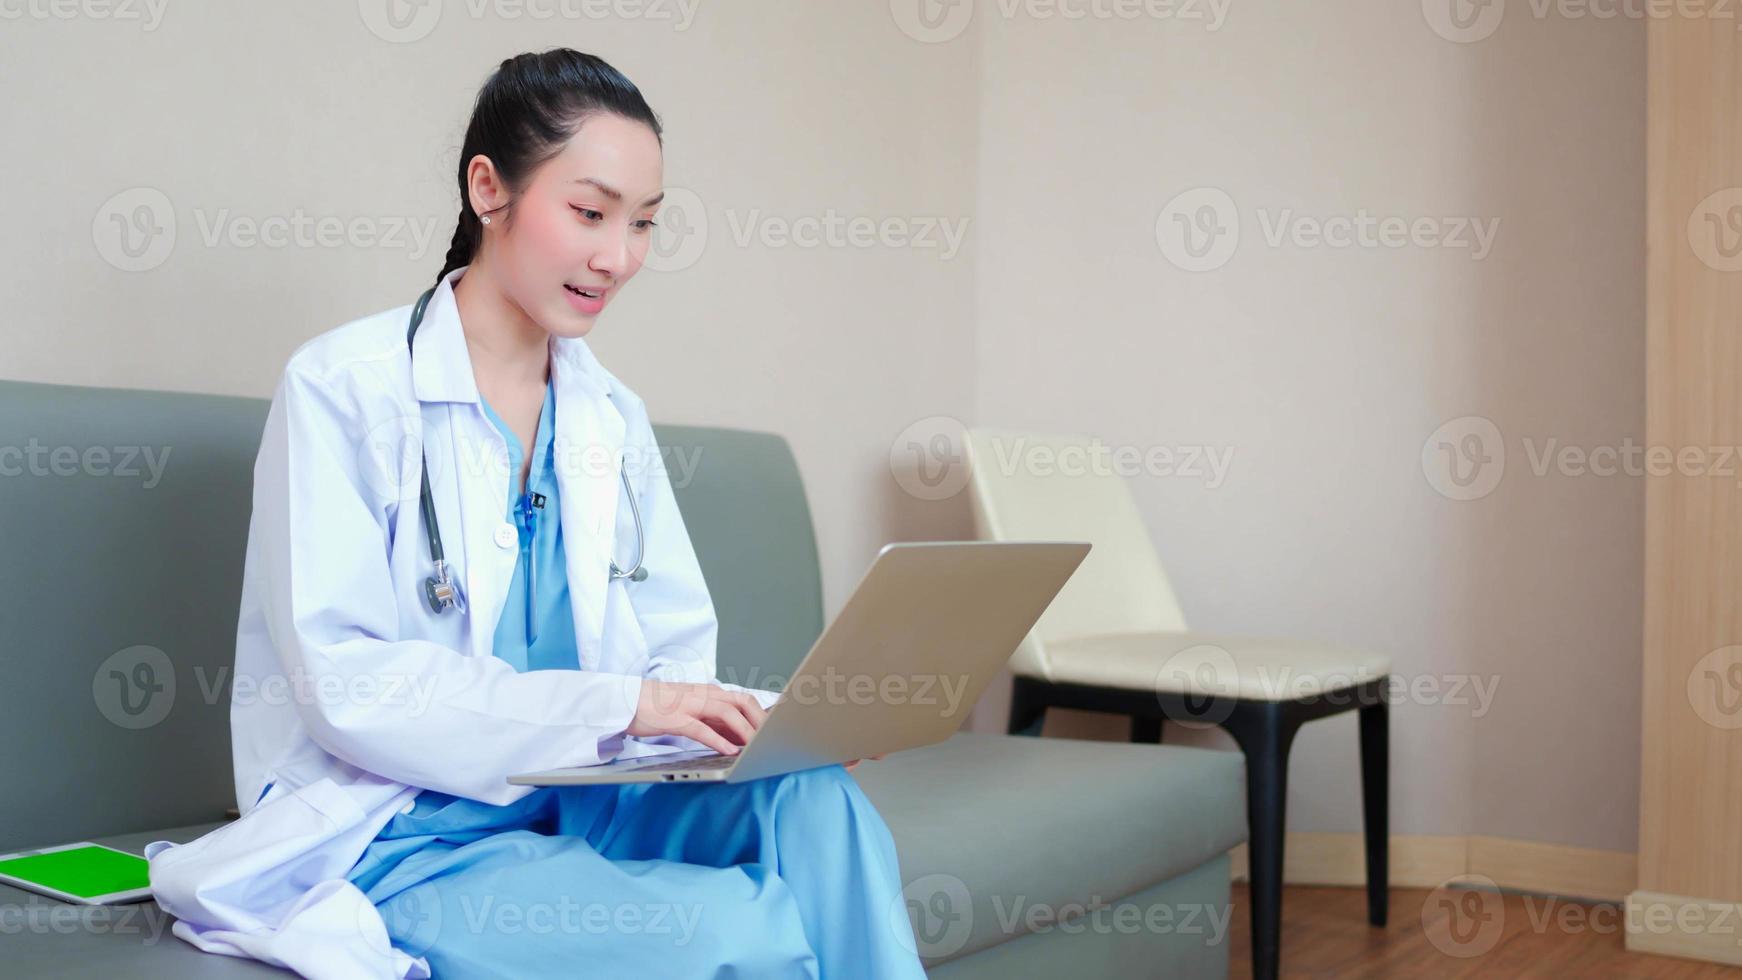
[[1060, 141], [1324, 370], [279, 109]]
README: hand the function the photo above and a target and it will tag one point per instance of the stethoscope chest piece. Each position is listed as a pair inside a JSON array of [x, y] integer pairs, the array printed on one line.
[[441, 593]]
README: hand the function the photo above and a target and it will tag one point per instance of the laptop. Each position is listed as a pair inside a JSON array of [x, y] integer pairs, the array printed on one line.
[[900, 667]]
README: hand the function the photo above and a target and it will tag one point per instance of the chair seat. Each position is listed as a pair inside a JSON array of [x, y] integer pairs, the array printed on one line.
[[991, 826], [1189, 662]]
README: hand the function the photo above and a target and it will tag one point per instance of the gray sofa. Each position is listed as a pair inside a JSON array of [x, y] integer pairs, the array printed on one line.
[[123, 518]]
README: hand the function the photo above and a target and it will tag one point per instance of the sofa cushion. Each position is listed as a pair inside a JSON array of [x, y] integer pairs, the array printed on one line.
[[997, 833], [48, 938]]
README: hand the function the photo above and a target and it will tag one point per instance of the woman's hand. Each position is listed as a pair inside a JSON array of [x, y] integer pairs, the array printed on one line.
[[850, 765], [720, 719]]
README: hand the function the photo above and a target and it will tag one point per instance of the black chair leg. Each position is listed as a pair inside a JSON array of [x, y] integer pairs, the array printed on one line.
[[1145, 728], [1027, 708], [1375, 800], [1265, 732]]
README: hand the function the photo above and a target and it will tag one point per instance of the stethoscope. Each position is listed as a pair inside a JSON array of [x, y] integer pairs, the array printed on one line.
[[439, 589]]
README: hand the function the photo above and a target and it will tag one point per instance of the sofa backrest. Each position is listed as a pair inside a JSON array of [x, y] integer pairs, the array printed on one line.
[[123, 526], [123, 523], [744, 506]]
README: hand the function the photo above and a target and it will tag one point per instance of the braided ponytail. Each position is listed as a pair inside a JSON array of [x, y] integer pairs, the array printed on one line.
[[528, 108], [468, 235]]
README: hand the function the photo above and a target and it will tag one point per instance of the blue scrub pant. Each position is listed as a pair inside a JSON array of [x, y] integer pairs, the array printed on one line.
[[789, 876]]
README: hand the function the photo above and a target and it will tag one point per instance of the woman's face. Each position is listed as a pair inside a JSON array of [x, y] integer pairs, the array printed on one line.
[[582, 225]]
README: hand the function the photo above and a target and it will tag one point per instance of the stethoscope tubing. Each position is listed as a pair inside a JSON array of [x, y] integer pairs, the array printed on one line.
[[440, 584]]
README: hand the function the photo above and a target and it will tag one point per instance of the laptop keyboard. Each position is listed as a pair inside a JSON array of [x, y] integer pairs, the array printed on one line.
[[708, 762]]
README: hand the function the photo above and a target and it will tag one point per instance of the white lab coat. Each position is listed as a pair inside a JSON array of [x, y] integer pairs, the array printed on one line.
[[349, 695]]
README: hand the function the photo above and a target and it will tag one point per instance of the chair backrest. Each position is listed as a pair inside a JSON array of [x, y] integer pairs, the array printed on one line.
[[124, 523], [1030, 486]]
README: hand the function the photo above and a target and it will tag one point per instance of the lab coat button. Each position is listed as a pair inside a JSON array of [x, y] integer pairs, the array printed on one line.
[[506, 536]]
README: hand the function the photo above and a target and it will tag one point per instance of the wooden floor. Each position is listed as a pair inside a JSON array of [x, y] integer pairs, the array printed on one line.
[[1453, 934]]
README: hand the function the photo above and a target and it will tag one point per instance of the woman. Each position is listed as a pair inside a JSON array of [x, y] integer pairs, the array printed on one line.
[[379, 836]]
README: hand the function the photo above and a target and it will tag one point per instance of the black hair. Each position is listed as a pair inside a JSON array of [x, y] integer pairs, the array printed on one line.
[[529, 107]]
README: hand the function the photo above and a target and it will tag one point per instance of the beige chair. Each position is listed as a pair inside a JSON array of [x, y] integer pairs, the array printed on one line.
[[1115, 640]]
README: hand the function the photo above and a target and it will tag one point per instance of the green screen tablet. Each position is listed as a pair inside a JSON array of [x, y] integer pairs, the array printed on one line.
[[87, 873]]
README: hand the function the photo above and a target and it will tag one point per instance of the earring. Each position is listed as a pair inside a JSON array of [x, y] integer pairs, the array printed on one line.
[[485, 219]]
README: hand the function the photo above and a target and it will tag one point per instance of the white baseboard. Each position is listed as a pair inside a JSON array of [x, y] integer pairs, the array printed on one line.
[[1421, 861]]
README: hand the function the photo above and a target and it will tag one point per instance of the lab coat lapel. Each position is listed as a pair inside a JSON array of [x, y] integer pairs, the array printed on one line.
[[588, 445], [482, 504], [470, 485]]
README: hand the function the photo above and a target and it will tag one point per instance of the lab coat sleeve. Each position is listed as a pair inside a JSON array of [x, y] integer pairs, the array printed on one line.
[[409, 710], [677, 619]]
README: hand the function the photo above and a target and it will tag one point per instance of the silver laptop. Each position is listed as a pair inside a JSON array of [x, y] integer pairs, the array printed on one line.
[[929, 626]]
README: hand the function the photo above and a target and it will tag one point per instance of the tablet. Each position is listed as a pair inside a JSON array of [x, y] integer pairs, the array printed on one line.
[[83, 873]]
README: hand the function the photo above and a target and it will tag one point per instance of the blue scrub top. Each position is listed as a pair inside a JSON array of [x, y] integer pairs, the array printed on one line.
[[537, 630]]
